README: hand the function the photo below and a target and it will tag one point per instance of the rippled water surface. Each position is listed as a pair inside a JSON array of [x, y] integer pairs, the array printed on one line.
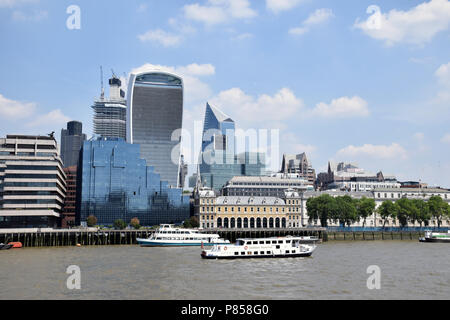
[[337, 270]]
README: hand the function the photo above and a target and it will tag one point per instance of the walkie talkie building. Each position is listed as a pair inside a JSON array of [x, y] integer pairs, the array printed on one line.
[[155, 112]]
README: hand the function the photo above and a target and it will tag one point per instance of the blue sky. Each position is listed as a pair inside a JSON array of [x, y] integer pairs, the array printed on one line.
[[339, 81]]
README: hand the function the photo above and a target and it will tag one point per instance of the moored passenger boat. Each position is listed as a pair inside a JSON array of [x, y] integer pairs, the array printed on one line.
[[282, 247], [436, 237], [168, 236]]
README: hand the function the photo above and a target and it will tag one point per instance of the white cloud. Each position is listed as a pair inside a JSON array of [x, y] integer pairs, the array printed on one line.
[[317, 17], [195, 90], [394, 151], [281, 5], [219, 11], [292, 144], [36, 16], [416, 26], [53, 118], [343, 107], [195, 69], [10, 109], [15, 3], [263, 109], [443, 74], [243, 36], [162, 37], [446, 138]]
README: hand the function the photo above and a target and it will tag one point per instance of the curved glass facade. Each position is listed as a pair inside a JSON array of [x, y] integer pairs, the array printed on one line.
[[155, 111], [117, 184]]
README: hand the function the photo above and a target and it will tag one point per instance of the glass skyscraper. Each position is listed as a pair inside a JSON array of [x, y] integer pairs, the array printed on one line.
[[155, 112], [116, 183], [72, 140], [219, 162]]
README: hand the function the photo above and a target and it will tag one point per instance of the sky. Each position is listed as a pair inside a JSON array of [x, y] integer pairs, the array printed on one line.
[[362, 81]]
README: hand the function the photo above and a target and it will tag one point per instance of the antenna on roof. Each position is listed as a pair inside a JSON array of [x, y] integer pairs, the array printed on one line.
[[102, 96], [113, 74]]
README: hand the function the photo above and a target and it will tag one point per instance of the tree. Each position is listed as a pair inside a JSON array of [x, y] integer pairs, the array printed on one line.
[[387, 210], [192, 222], [346, 210], [423, 212], [405, 211], [313, 210], [438, 208], [135, 223], [365, 208], [119, 224], [91, 221]]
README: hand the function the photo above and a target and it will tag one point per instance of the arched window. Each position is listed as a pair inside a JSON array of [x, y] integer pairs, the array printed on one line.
[[265, 223], [245, 223], [252, 223], [225, 223], [233, 223], [271, 223], [219, 222], [277, 223], [258, 223], [283, 223], [239, 223]]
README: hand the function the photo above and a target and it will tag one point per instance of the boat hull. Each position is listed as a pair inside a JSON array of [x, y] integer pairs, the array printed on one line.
[[6, 247], [297, 255], [432, 240]]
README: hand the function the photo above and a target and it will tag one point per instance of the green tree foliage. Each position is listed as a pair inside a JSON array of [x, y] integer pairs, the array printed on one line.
[[135, 223], [438, 209], [91, 221], [365, 208], [119, 224], [387, 210], [346, 211], [192, 222], [423, 212]]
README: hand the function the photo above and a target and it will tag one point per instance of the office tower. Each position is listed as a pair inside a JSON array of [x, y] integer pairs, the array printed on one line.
[[155, 113], [183, 173], [219, 162], [71, 142], [110, 115], [68, 215], [116, 183], [218, 130], [32, 182], [298, 165]]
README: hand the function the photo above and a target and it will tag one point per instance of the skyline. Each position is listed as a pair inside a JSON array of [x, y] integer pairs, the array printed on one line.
[[335, 88]]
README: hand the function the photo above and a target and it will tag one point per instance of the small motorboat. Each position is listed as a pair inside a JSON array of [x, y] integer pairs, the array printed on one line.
[[5, 246]]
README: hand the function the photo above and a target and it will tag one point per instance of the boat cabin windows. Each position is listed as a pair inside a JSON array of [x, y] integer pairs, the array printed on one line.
[[255, 242], [236, 253], [240, 242], [280, 241], [261, 242], [267, 242], [268, 252], [274, 242]]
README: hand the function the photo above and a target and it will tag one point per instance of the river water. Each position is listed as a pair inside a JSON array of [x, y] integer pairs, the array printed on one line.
[[337, 270]]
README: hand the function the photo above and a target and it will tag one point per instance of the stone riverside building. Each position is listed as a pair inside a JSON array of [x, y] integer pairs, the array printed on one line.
[[290, 211]]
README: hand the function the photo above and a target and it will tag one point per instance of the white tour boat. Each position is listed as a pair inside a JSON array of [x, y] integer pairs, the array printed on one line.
[[282, 247], [431, 236], [168, 236]]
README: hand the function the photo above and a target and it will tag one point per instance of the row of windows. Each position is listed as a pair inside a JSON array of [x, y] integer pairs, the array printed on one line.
[[399, 195], [252, 209]]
